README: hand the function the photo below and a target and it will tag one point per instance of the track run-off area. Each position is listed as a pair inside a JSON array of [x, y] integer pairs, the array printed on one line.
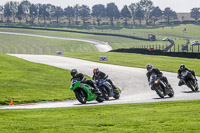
[[101, 46], [132, 81]]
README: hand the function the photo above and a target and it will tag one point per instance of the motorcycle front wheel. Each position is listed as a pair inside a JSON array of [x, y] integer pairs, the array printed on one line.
[[159, 91], [81, 96], [190, 85], [100, 99], [105, 93]]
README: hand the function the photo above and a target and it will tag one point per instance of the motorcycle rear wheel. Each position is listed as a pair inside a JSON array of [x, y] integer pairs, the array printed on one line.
[[172, 93], [116, 96]]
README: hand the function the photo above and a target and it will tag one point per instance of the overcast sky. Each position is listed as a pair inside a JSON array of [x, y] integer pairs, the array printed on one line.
[[176, 5]]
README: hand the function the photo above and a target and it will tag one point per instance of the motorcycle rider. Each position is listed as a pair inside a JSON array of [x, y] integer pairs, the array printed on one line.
[[151, 70], [181, 69], [97, 74], [82, 78]]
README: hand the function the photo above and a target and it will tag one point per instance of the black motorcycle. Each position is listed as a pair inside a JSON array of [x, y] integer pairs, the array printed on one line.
[[188, 79], [160, 87], [106, 89]]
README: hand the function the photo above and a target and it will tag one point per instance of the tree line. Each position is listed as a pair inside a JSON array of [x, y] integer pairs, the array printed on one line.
[[144, 10]]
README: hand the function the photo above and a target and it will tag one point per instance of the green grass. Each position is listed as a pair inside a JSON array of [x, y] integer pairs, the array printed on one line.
[[115, 42], [192, 30], [181, 116], [27, 82], [164, 63], [17, 44]]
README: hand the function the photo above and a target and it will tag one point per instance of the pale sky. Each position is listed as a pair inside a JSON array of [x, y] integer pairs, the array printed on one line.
[[176, 5]]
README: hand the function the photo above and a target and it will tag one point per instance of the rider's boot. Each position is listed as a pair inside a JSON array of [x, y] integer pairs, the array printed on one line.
[[180, 83], [97, 92]]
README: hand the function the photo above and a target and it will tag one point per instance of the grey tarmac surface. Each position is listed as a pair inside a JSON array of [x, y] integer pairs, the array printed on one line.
[[132, 81], [101, 46]]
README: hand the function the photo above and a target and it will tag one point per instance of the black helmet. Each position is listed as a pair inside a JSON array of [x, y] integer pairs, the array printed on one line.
[[182, 67], [149, 67], [96, 71], [74, 72]]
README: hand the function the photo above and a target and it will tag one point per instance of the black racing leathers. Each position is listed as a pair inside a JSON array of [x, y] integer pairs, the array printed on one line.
[[180, 71], [158, 73], [102, 75], [179, 75]]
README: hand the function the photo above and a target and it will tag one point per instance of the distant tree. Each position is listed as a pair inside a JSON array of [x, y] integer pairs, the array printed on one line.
[[126, 14], [43, 12], [84, 13], [14, 9], [195, 13], [139, 14], [169, 14], [98, 11], [147, 7], [26, 8], [76, 12], [51, 10], [33, 12], [7, 11], [112, 12], [58, 13], [1, 12], [20, 13], [132, 8], [69, 12], [156, 14]]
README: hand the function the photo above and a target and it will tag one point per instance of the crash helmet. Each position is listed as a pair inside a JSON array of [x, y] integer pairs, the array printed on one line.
[[96, 71], [74, 72], [149, 67], [182, 67]]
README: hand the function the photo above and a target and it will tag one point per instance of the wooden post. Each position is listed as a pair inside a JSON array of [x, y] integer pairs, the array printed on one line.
[[192, 48], [174, 48], [178, 48]]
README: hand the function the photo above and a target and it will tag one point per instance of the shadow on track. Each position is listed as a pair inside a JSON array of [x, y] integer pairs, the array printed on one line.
[[162, 98], [190, 91]]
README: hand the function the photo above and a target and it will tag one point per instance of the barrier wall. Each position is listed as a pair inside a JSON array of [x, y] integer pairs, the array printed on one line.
[[158, 52]]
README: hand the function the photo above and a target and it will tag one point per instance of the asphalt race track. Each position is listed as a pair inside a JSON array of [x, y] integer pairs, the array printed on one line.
[[132, 81], [101, 46]]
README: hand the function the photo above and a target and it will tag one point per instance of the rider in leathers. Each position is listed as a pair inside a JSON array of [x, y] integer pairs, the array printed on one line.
[[183, 68], [97, 74], [157, 72], [82, 78]]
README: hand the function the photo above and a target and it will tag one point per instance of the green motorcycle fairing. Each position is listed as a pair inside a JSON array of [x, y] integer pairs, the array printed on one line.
[[78, 85]]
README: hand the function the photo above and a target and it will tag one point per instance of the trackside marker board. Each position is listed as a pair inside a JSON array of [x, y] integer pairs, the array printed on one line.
[[103, 58]]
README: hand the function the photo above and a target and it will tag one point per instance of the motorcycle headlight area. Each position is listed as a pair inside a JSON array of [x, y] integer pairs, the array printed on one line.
[[156, 82]]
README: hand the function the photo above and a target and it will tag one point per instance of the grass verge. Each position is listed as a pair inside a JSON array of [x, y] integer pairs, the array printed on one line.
[[27, 82], [181, 116]]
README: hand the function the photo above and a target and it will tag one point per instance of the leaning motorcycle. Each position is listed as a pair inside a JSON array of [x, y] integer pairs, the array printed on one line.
[[188, 79], [160, 87], [83, 92], [106, 89]]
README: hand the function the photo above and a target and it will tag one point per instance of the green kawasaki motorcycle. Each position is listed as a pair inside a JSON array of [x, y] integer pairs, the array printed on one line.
[[83, 92]]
